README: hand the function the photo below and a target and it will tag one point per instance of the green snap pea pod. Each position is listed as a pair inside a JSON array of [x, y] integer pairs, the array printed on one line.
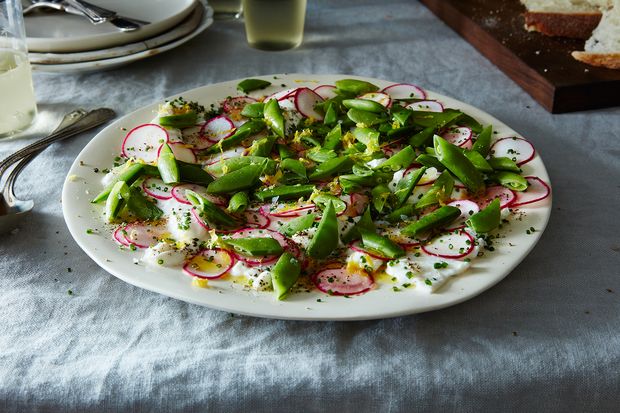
[[167, 165], [400, 160], [115, 202], [233, 164], [401, 115], [368, 137], [285, 192], [364, 104], [333, 138], [363, 170], [435, 120], [239, 180], [363, 117], [184, 120], [321, 155], [422, 138], [310, 141], [325, 240], [296, 225], [380, 245], [255, 247], [248, 85], [483, 142], [399, 214], [405, 187], [331, 167], [436, 219], [322, 200], [285, 152], [401, 132], [486, 220], [478, 161], [439, 192], [454, 160], [263, 146], [274, 118], [238, 202], [285, 274], [473, 124], [129, 173], [430, 161], [294, 166], [243, 132], [193, 173], [253, 110], [355, 183], [365, 223], [356, 87], [503, 163], [510, 180], [140, 205], [380, 197], [331, 117], [209, 211]]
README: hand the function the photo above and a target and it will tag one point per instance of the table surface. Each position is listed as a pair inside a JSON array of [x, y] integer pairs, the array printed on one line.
[[544, 339]]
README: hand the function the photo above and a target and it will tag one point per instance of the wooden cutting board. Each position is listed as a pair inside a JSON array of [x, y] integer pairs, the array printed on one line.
[[539, 64]]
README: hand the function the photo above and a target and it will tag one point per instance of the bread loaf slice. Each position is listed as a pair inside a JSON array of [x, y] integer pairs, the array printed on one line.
[[603, 48], [565, 18]]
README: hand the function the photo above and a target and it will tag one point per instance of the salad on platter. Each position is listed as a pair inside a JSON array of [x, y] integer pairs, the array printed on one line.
[[345, 188]]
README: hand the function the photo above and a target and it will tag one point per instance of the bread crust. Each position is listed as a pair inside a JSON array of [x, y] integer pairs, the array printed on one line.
[[574, 25], [608, 60]]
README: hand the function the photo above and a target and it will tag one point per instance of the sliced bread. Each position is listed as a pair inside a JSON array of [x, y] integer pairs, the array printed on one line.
[[564, 18], [603, 48]]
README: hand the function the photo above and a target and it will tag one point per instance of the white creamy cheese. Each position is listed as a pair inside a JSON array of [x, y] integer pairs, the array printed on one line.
[[163, 254], [421, 272], [364, 261], [259, 277]]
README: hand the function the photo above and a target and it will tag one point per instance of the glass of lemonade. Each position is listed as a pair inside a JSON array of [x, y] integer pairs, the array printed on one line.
[[226, 9], [274, 24], [18, 106]]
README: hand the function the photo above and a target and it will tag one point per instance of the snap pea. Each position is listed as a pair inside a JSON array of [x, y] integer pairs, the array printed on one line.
[[243, 132], [321, 200], [486, 220], [478, 161], [233, 164], [503, 163], [362, 117], [285, 274], [244, 178], [209, 211], [321, 155], [140, 205], [454, 160], [333, 138], [248, 85], [330, 115], [405, 187], [368, 137], [115, 202], [439, 192], [401, 132], [407, 210], [274, 118], [380, 245], [310, 141], [483, 142], [285, 152], [364, 104], [355, 183], [183, 120], [422, 138], [255, 247], [467, 120], [253, 110], [193, 173], [285, 192], [430, 161], [129, 173], [263, 146], [167, 165], [296, 225], [435, 120], [365, 223], [401, 116], [380, 197], [238, 202], [354, 86], [510, 180], [400, 160], [331, 167], [436, 219], [325, 240]]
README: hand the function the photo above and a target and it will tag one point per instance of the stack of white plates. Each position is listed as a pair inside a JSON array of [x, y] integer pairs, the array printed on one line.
[[60, 42]]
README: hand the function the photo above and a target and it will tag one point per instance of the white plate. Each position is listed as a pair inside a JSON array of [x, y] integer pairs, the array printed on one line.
[[383, 302], [61, 32], [204, 15]]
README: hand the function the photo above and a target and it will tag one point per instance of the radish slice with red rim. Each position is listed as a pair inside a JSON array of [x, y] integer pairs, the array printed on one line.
[[403, 240], [156, 188], [405, 91], [326, 91], [467, 207], [193, 136], [518, 149], [209, 264], [381, 98], [256, 218], [426, 106], [181, 152], [200, 220], [429, 177], [356, 204], [178, 193], [218, 128], [338, 281], [459, 136], [143, 142], [119, 236], [305, 101], [505, 195], [455, 244], [536, 191], [142, 235], [281, 95], [237, 103]]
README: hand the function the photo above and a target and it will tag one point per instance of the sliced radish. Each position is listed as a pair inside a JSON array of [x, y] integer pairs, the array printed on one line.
[[382, 98], [287, 210], [217, 129], [119, 236], [467, 207], [193, 136], [426, 106], [156, 188], [142, 235], [326, 91], [237, 103], [199, 220], [231, 153], [536, 191], [178, 193], [305, 101], [459, 136], [403, 240], [518, 149], [455, 244], [337, 281], [355, 246], [181, 152], [428, 178], [505, 195], [356, 204], [281, 95], [143, 142], [209, 264], [257, 219], [390, 150], [405, 91]]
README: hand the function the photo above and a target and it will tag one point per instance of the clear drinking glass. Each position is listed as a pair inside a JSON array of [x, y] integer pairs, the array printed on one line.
[[226, 9], [18, 106], [274, 24]]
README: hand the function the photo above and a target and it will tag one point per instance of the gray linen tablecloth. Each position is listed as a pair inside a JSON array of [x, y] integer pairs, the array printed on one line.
[[547, 338]]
